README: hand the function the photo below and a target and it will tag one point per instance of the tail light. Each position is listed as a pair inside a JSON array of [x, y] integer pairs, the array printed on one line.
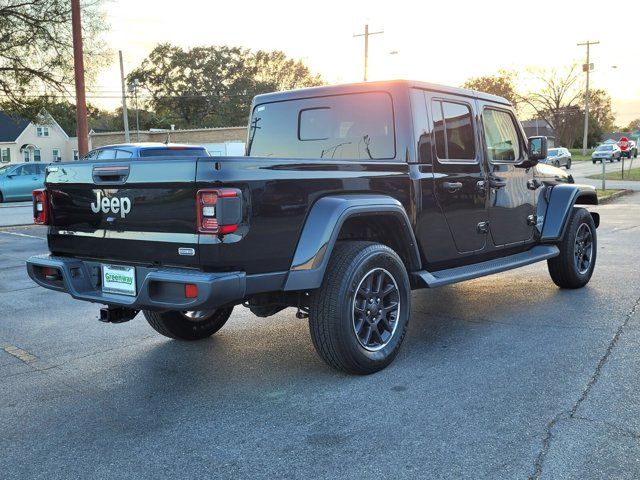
[[40, 207], [218, 211], [190, 290]]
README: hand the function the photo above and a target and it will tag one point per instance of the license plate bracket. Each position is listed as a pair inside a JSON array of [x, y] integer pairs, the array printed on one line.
[[120, 279]]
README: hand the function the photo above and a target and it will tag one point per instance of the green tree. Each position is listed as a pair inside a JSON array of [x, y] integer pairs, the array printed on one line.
[[36, 50], [633, 125], [501, 84], [213, 86], [601, 118]]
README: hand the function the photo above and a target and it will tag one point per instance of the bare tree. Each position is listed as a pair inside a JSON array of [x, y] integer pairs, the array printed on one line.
[[36, 50], [557, 101]]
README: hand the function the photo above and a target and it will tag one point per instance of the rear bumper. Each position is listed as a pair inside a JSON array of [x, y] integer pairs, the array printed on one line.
[[157, 288]]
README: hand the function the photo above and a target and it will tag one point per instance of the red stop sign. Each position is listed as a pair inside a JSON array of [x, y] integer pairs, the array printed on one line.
[[623, 143]]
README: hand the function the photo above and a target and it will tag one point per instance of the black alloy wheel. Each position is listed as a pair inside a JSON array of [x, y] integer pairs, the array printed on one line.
[[376, 309], [583, 248]]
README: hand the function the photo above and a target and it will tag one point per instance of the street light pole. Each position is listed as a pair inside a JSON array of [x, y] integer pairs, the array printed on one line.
[[366, 35], [587, 68], [78, 67]]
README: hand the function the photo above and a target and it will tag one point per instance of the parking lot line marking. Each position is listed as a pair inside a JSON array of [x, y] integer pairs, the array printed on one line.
[[22, 235], [20, 354]]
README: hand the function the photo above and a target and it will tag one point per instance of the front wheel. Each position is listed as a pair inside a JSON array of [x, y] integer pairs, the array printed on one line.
[[188, 325], [574, 266], [359, 315]]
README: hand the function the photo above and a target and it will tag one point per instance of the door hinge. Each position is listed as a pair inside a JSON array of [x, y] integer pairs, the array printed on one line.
[[534, 184], [483, 227], [532, 220]]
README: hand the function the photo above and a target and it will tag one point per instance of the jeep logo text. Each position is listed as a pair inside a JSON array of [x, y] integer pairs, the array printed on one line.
[[114, 205]]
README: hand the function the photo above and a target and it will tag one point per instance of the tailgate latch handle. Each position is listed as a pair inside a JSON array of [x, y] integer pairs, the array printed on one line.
[[110, 174]]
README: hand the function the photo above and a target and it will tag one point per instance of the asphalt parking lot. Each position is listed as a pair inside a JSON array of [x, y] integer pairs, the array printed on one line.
[[501, 377]]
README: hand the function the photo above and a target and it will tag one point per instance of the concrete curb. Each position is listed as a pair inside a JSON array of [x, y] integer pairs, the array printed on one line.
[[613, 196]]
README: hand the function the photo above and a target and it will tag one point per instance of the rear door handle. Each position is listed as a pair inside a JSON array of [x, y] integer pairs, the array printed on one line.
[[452, 186], [497, 183]]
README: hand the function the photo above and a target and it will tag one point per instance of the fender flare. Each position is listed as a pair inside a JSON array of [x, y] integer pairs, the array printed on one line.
[[555, 204], [322, 227]]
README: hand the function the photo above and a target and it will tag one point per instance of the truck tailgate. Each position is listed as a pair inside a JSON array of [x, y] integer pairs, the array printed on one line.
[[138, 211]]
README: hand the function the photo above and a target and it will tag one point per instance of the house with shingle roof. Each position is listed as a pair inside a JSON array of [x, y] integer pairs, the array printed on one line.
[[43, 140]]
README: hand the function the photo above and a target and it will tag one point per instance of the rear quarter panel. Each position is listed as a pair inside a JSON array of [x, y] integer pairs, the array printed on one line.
[[277, 197]]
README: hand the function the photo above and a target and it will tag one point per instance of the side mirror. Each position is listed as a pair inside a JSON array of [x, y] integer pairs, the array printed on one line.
[[537, 148], [10, 175]]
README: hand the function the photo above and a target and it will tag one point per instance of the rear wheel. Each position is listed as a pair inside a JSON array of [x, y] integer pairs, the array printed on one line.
[[569, 164], [359, 315], [556, 163], [574, 266], [188, 325]]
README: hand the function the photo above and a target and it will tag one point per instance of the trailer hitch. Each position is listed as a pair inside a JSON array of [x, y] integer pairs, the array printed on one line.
[[117, 314]]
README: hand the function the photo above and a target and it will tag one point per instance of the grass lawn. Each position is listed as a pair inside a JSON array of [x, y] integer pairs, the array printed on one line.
[[576, 154], [605, 193], [633, 174]]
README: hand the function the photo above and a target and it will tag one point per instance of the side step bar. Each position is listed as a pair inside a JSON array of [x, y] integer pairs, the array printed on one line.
[[468, 272]]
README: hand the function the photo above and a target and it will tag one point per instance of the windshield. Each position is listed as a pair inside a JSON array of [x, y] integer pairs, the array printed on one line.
[[4, 168], [604, 148], [553, 152]]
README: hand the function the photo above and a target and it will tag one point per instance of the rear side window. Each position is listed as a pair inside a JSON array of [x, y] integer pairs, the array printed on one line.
[[501, 136], [107, 153], [344, 127], [453, 127], [174, 152], [123, 154]]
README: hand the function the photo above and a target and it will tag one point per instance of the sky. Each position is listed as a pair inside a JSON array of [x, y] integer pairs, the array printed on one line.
[[443, 42]]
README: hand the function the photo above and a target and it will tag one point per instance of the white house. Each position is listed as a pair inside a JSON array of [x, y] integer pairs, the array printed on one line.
[[40, 141]]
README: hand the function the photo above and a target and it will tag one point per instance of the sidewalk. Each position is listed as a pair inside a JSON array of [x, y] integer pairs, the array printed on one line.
[[18, 213]]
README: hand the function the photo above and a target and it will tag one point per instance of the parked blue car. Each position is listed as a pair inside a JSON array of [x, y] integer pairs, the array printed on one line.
[[18, 180]]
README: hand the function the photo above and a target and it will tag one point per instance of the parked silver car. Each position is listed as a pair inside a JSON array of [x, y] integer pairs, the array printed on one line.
[[558, 157], [606, 151]]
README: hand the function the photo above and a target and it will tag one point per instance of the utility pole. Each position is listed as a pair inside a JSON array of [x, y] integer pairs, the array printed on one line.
[[78, 67], [133, 88], [366, 35], [125, 115], [586, 68]]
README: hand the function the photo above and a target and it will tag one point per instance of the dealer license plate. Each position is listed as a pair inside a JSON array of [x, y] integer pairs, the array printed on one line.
[[119, 279]]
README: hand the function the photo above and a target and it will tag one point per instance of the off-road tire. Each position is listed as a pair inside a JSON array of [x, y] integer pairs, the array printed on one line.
[[563, 268], [332, 321], [174, 324]]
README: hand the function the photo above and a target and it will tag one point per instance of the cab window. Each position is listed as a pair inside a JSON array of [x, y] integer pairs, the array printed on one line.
[[453, 127], [358, 126], [501, 136]]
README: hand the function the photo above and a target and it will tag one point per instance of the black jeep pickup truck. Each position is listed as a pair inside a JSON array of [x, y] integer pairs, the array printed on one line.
[[347, 199]]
